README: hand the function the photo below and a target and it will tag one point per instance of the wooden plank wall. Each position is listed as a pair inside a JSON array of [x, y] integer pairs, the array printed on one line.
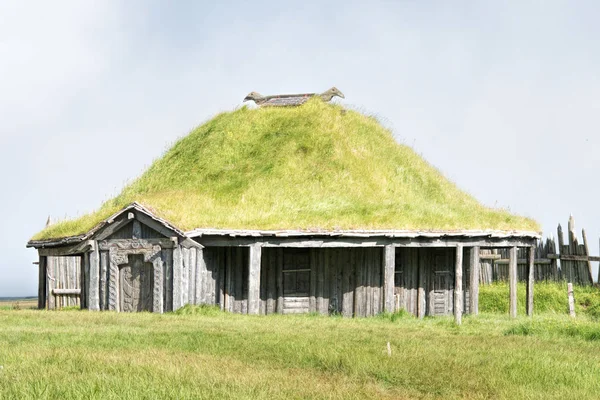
[[63, 273], [415, 280], [343, 281], [224, 278]]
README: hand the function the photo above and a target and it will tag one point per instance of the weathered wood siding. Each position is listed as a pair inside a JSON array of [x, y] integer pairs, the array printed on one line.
[[425, 279], [224, 278], [63, 273], [347, 281]]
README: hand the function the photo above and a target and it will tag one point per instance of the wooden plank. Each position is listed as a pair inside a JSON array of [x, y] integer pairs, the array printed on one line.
[[458, 281], [512, 282], [474, 267], [530, 281], [66, 292], [94, 291], [347, 291], [254, 279]]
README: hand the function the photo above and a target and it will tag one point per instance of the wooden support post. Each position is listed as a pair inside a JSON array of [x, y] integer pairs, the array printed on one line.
[[512, 281], [177, 278], [254, 279], [458, 289], [42, 284], [530, 280], [389, 265], [571, 299], [419, 262], [474, 280], [94, 289]]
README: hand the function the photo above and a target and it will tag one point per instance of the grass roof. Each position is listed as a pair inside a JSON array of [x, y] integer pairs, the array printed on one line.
[[317, 166]]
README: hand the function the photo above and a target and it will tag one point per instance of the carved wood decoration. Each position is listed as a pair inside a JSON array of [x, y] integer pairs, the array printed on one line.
[[136, 284], [118, 253]]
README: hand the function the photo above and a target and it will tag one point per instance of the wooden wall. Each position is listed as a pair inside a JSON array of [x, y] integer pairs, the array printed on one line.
[[424, 280], [345, 281], [63, 273]]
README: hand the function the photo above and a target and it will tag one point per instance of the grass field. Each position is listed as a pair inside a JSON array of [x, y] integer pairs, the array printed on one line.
[[18, 304], [204, 353]]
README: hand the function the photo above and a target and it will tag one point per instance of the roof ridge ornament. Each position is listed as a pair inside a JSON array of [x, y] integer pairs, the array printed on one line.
[[291, 100]]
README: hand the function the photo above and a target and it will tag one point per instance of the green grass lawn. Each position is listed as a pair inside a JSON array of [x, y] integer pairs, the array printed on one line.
[[204, 353]]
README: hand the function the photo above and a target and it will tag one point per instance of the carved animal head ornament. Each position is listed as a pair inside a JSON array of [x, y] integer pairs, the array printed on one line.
[[281, 100], [254, 96], [331, 93]]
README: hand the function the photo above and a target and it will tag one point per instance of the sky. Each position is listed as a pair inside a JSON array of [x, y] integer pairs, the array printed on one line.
[[502, 97]]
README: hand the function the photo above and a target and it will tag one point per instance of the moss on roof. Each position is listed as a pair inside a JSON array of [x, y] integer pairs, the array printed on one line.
[[317, 166]]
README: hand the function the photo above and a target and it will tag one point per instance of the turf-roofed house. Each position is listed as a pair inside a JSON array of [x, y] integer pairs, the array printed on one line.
[[301, 209]]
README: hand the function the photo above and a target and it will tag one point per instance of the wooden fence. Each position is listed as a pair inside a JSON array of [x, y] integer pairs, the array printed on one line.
[[575, 261]]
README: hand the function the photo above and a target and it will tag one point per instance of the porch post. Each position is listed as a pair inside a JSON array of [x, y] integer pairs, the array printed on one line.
[[389, 266], [530, 280], [254, 278], [474, 280], [42, 285], [93, 292], [512, 281], [458, 290]]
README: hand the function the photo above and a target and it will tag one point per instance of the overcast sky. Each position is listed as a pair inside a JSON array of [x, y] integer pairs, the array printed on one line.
[[502, 97]]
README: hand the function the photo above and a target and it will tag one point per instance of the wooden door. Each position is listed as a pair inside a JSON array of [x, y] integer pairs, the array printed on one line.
[[296, 281], [136, 281], [442, 282]]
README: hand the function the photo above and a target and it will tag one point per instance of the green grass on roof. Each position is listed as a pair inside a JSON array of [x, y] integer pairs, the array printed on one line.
[[317, 166]]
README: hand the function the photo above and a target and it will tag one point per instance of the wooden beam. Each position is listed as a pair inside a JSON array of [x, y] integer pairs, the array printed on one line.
[[42, 282], [157, 226], [568, 257], [66, 292], [530, 280], [329, 242], [490, 256], [512, 282], [254, 279], [458, 290], [112, 228], [474, 280], [540, 261], [70, 250], [389, 266]]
